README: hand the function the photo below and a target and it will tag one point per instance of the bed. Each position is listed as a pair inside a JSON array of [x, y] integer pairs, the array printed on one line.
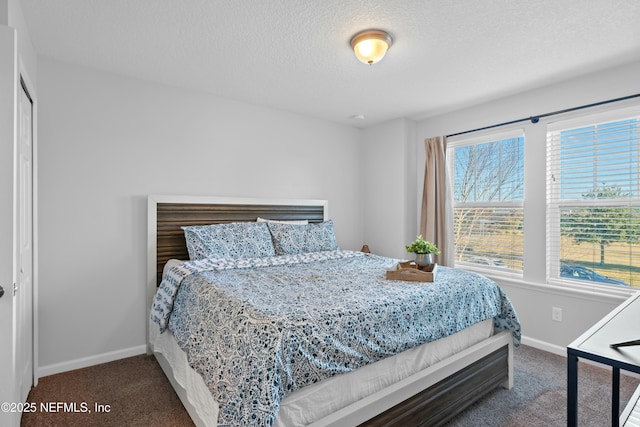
[[425, 384]]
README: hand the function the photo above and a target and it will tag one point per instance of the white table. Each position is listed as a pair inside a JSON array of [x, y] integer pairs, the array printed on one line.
[[622, 324]]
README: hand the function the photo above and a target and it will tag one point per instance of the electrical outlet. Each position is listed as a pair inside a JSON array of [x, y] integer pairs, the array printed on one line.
[[556, 314]]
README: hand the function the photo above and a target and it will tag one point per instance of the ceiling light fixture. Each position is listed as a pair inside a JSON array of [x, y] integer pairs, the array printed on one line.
[[370, 46]]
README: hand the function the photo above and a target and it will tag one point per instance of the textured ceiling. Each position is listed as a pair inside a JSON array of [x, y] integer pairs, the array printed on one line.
[[294, 55]]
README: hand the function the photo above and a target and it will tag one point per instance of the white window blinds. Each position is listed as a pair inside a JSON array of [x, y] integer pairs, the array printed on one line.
[[593, 199]]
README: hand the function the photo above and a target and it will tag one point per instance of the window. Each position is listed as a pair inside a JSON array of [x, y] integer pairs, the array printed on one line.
[[593, 199], [488, 187]]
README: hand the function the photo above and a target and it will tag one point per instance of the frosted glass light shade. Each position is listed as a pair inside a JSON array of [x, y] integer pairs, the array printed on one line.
[[370, 46]]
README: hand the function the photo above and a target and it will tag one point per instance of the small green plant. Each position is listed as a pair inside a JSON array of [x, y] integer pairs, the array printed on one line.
[[421, 246]]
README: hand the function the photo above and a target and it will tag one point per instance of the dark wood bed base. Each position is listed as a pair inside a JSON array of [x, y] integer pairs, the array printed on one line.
[[441, 402], [433, 406]]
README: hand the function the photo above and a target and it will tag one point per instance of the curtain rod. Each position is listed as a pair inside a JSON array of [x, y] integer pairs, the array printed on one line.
[[536, 119]]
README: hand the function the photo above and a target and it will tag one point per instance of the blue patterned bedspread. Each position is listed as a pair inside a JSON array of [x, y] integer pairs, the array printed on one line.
[[255, 334]]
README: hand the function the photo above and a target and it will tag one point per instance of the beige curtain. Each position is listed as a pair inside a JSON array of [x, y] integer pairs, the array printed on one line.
[[436, 219]]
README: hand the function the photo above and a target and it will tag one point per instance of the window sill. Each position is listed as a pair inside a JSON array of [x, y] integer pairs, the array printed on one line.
[[616, 294]]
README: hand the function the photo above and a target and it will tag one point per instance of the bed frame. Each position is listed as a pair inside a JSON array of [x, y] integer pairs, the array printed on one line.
[[430, 397]]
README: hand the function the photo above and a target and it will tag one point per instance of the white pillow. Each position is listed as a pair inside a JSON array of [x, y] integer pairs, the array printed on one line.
[[297, 221]]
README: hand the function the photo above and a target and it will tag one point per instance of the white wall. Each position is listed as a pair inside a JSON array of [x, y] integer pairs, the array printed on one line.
[[106, 142], [28, 58], [532, 298], [389, 187]]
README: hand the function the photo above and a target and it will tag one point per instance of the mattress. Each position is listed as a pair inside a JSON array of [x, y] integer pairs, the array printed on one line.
[[316, 401]]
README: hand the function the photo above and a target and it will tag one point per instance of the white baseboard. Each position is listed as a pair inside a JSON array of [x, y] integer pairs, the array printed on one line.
[[562, 351], [542, 345], [85, 362]]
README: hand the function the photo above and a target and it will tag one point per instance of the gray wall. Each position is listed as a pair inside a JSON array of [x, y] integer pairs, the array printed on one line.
[[106, 142]]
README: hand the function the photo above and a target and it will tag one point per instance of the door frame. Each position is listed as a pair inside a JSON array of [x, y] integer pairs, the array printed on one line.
[[8, 256], [29, 87]]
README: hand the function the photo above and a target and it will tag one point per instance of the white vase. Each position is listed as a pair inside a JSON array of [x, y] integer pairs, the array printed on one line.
[[424, 259]]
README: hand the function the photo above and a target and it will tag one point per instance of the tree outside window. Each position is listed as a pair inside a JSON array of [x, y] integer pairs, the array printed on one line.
[[488, 186], [594, 202]]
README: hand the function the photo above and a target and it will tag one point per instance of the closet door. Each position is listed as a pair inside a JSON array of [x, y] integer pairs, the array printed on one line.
[[23, 300]]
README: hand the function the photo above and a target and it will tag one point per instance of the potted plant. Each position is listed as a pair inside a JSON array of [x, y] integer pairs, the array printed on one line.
[[424, 251]]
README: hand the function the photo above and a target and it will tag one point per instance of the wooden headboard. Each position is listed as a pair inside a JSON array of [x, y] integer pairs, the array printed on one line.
[[166, 214]]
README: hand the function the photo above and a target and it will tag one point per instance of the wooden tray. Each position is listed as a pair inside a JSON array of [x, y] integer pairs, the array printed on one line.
[[411, 272]]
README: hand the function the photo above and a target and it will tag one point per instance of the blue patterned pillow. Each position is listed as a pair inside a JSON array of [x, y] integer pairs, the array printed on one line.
[[321, 237], [291, 239], [232, 240], [288, 239]]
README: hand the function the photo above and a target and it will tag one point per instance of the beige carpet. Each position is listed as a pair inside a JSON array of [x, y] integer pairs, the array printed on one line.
[[138, 394]]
